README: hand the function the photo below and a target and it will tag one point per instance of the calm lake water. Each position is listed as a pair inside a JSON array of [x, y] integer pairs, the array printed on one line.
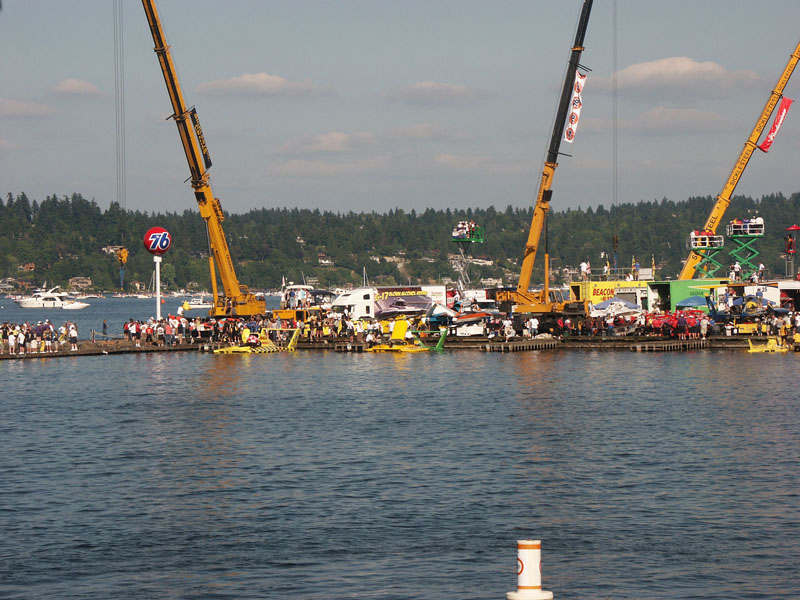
[[326, 476]]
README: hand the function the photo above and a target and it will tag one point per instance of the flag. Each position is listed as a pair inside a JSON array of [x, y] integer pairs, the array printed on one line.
[[575, 105], [776, 124]]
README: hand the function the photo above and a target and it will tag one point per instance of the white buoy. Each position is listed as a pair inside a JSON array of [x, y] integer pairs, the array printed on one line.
[[529, 572]]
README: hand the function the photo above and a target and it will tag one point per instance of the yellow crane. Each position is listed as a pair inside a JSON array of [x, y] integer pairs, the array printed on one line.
[[724, 198], [546, 301], [237, 299]]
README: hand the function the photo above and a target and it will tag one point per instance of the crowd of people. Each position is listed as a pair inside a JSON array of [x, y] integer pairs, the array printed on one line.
[[326, 325], [464, 230], [43, 337]]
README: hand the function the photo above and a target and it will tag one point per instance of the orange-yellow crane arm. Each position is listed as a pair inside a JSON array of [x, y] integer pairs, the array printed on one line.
[[237, 298], [545, 192], [724, 198]]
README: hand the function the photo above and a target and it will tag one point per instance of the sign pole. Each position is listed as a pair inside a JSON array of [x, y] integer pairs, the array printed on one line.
[[157, 262], [157, 240]]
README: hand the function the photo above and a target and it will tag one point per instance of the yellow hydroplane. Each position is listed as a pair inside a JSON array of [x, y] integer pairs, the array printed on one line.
[[398, 342], [773, 344], [259, 343]]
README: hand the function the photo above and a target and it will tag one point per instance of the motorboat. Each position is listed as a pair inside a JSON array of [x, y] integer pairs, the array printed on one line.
[[259, 343], [475, 316], [51, 298], [197, 303], [74, 305], [399, 342], [771, 344]]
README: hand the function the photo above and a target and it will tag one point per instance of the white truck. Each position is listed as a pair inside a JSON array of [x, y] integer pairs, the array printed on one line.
[[389, 302]]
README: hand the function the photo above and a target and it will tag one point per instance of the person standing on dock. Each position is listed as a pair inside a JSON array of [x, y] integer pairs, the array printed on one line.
[[704, 327], [73, 337], [533, 326]]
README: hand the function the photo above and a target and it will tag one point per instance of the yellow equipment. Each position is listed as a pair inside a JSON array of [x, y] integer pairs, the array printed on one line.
[[772, 344], [398, 342], [545, 301], [262, 345], [122, 256], [237, 298], [724, 198]]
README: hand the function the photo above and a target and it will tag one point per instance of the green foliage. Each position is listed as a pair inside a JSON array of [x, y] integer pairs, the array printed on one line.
[[64, 237]]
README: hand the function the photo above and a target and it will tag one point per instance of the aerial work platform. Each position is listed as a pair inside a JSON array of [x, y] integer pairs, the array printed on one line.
[[707, 244], [465, 233], [743, 233]]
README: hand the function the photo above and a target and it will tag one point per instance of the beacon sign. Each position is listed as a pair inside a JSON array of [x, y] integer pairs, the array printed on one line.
[[157, 240]]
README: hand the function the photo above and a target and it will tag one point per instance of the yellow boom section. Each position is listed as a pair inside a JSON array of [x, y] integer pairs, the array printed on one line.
[[237, 299], [724, 198]]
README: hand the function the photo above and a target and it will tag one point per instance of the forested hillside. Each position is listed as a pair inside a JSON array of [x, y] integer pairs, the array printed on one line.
[[63, 237]]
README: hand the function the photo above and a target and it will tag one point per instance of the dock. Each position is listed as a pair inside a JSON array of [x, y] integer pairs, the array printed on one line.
[[670, 346], [529, 345], [477, 343], [100, 348]]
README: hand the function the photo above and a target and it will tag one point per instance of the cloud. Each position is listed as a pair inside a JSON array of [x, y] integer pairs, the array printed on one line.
[[425, 132], [478, 164], [24, 108], [331, 142], [77, 87], [431, 93], [336, 142], [263, 84], [6, 145], [675, 121], [678, 75], [309, 168]]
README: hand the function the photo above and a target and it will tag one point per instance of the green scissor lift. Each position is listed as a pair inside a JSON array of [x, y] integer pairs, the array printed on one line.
[[707, 245], [744, 234]]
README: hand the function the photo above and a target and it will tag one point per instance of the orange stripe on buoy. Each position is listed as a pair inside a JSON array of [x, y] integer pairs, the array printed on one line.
[[529, 587], [529, 546]]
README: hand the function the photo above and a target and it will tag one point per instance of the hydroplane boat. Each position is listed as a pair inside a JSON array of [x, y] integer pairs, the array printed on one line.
[[259, 343], [399, 343], [771, 344]]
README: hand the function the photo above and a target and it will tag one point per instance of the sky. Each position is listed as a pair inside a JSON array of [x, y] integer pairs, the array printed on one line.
[[372, 105]]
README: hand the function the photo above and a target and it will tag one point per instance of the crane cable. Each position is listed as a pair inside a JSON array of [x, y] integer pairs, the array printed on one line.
[[614, 184], [119, 98]]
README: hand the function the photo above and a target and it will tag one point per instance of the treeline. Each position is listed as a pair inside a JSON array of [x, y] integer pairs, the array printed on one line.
[[64, 238]]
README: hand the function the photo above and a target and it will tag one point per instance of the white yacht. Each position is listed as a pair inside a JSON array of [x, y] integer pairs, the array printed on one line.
[[51, 298]]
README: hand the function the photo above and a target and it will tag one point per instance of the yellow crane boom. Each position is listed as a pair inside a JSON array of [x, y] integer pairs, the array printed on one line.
[[522, 299], [724, 198], [237, 298]]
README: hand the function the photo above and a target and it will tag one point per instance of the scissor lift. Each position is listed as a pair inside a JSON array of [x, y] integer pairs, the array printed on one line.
[[465, 234], [744, 233], [707, 245]]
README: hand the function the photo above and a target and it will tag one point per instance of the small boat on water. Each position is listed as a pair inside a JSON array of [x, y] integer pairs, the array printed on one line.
[[400, 342], [51, 298], [197, 303], [771, 344], [259, 343]]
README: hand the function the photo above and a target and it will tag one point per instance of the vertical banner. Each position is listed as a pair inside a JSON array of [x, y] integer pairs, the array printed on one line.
[[776, 124], [200, 138], [574, 107]]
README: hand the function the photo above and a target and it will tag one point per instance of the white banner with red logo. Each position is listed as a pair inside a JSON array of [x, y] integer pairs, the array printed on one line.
[[776, 124], [574, 114]]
